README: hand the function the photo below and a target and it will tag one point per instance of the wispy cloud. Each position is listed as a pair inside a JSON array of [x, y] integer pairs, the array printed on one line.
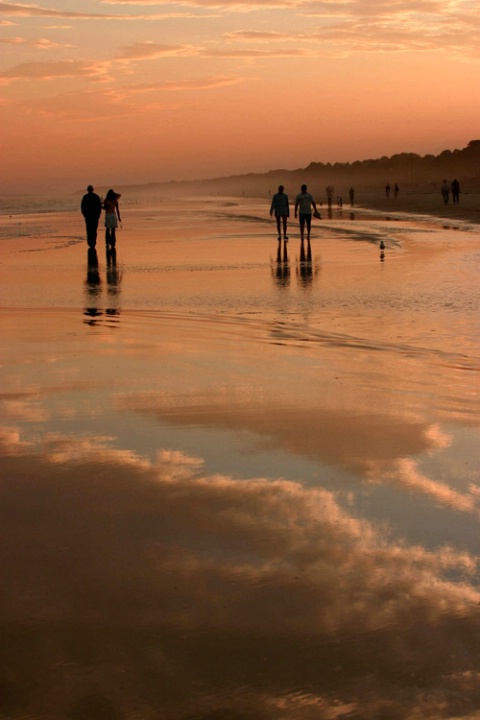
[[182, 85], [52, 70], [149, 51], [42, 43], [21, 10]]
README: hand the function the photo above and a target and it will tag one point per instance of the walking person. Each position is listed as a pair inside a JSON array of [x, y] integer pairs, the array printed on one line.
[[112, 217], [281, 208], [303, 207], [455, 191], [91, 208], [445, 192], [351, 192]]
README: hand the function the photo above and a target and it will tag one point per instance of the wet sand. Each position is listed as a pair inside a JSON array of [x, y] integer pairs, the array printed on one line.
[[236, 484]]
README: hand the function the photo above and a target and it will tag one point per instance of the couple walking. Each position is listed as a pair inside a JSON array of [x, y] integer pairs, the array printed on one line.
[[91, 208], [303, 209]]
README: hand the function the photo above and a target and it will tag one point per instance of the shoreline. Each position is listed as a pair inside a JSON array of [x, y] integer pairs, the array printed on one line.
[[410, 202]]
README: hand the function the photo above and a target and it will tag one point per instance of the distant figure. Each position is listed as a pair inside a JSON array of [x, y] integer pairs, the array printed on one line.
[[387, 190], [351, 193], [396, 190], [329, 191], [91, 207], [303, 204], [445, 192], [281, 207], [455, 191], [339, 201], [112, 212]]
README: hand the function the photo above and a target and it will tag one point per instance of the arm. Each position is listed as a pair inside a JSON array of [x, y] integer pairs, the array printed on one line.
[[118, 212], [296, 208]]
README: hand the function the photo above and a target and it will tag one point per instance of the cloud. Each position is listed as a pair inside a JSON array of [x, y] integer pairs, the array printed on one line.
[[207, 83], [149, 51], [23, 10], [52, 70], [251, 53], [42, 43], [20, 10], [224, 5]]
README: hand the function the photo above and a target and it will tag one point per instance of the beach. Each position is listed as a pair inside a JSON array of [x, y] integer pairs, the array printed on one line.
[[240, 479]]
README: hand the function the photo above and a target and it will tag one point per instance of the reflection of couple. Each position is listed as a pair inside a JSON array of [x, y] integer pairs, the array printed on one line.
[[93, 282], [91, 208]]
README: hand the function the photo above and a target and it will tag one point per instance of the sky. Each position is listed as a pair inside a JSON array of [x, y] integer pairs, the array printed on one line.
[[114, 92]]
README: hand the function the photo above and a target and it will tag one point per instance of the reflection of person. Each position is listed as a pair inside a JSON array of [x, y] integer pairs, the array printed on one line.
[[455, 191], [303, 205], [280, 206], [112, 217], [91, 207]]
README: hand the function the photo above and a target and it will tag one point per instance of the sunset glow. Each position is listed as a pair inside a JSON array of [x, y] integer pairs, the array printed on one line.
[[133, 91]]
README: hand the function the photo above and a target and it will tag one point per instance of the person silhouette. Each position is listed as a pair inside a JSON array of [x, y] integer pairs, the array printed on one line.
[[280, 206], [445, 192], [91, 209], [303, 207], [112, 217], [455, 191]]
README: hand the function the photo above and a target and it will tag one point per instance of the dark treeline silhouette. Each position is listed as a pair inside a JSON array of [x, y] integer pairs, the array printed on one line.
[[407, 169]]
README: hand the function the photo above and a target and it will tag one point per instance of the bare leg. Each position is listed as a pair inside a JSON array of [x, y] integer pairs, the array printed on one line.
[[278, 227], [285, 228]]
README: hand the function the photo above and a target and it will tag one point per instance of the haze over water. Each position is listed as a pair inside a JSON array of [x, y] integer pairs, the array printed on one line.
[[237, 485]]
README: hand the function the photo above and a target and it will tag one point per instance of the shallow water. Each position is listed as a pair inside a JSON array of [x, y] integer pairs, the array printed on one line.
[[235, 486]]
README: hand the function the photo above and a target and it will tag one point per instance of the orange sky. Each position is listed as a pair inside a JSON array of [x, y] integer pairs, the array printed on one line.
[[123, 91]]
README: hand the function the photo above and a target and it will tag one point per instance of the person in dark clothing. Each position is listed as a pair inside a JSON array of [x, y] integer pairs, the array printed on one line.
[[91, 208], [455, 187], [281, 207]]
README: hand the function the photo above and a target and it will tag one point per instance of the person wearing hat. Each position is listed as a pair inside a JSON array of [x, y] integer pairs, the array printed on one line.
[[91, 208], [112, 217]]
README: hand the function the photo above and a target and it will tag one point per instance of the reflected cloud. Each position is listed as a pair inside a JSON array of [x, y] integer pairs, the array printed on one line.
[[172, 579], [26, 410], [407, 474], [332, 436]]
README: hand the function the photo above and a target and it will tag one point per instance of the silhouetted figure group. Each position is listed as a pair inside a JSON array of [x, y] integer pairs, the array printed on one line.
[[388, 190], [453, 188], [280, 207], [91, 208]]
